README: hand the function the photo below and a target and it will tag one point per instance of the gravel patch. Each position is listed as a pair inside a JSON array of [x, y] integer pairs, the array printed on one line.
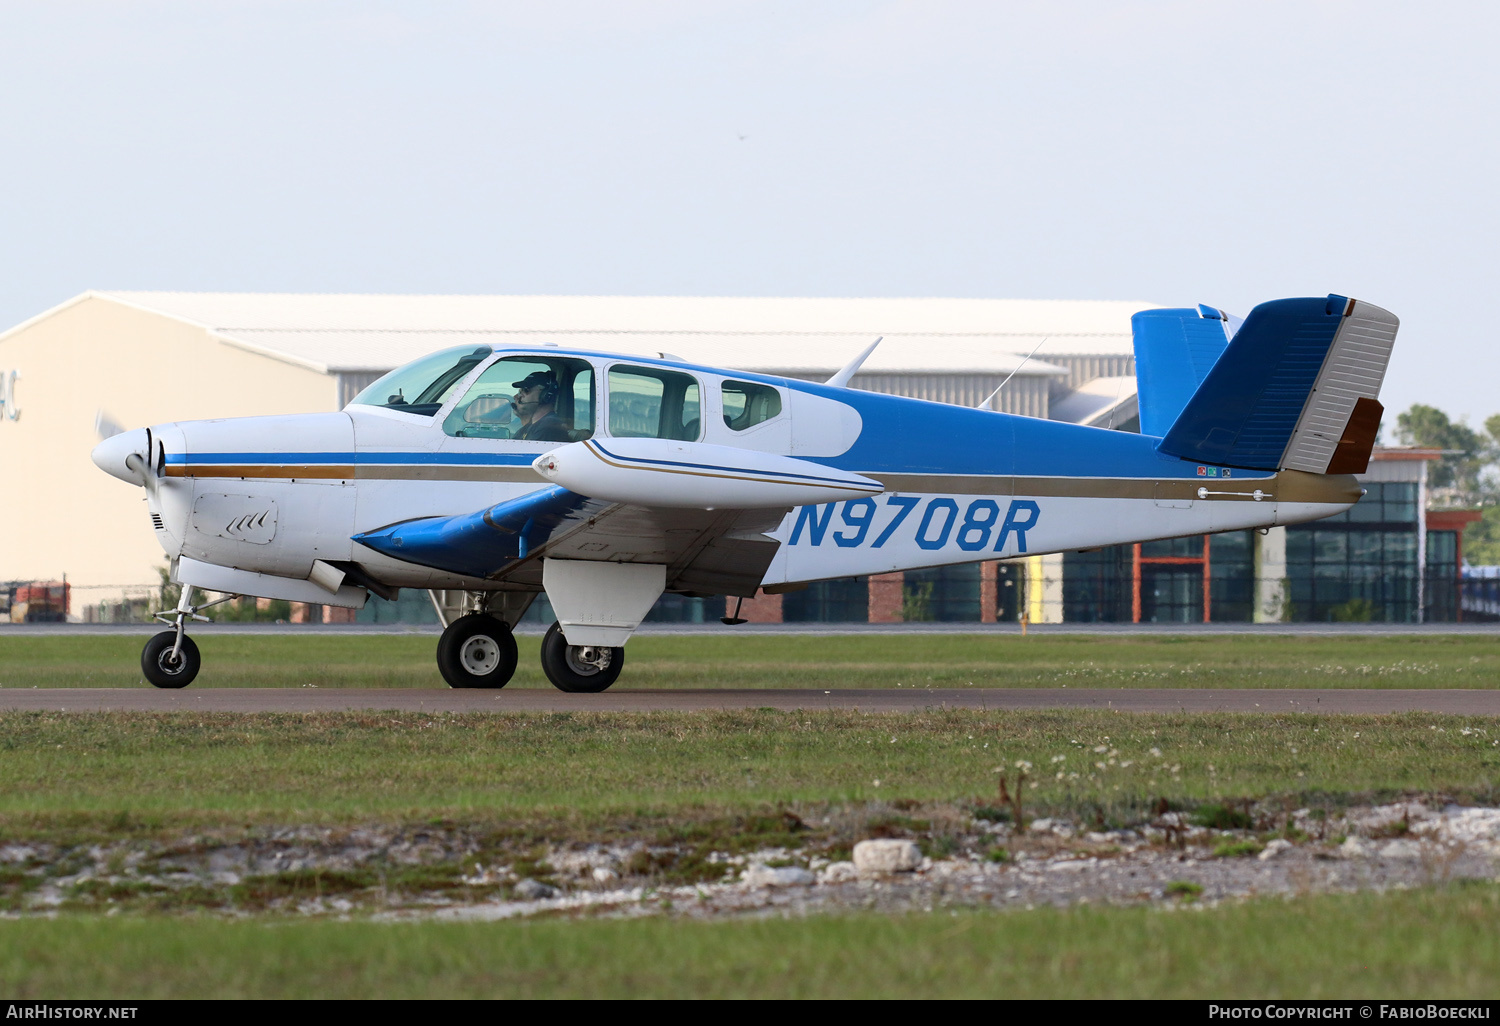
[[451, 873]]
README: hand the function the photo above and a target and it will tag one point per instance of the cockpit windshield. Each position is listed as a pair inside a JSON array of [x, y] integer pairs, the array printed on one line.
[[422, 386]]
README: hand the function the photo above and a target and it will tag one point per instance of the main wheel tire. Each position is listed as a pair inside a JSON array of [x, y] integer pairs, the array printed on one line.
[[164, 671], [477, 651], [579, 669]]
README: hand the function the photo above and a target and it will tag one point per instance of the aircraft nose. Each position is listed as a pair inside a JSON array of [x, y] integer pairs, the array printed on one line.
[[111, 454]]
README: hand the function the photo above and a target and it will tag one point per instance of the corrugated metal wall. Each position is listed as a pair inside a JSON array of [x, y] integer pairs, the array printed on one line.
[[355, 382], [1083, 367], [1026, 396]]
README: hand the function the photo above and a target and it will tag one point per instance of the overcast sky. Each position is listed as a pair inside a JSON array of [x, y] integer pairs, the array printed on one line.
[[1170, 152]]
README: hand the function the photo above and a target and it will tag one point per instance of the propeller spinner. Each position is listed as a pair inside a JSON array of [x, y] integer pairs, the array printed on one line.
[[129, 456]]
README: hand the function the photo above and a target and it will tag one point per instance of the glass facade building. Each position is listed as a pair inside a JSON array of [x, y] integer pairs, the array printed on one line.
[[1359, 565]]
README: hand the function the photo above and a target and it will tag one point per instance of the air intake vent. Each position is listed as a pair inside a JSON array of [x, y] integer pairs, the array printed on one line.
[[156, 522]]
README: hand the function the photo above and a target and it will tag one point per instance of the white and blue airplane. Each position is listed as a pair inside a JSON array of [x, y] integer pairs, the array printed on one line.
[[605, 480]]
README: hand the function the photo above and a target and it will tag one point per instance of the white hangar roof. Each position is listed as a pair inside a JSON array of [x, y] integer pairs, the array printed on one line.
[[364, 333]]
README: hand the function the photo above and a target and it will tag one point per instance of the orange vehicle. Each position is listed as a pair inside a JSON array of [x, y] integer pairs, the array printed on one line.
[[40, 601]]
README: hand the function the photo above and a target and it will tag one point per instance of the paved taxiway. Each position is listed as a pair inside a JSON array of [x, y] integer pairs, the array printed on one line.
[[282, 700], [664, 630]]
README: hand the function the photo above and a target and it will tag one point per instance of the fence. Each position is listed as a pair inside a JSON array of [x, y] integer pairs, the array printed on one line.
[[1481, 592]]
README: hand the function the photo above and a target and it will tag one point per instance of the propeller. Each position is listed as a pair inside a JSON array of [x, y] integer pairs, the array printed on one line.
[[106, 426]]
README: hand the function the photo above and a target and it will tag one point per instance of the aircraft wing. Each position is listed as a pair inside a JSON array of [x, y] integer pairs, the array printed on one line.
[[702, 511]]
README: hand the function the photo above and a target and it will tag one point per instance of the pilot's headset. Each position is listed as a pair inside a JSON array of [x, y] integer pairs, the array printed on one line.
[[547, 379]]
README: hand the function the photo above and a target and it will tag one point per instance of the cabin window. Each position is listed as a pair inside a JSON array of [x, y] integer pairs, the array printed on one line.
[[423, 386], [649, 403], [747, 404], [528, 399]]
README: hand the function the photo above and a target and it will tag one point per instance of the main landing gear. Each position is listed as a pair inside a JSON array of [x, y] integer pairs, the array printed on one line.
[[170, 659], [479, 651], [581, 669]]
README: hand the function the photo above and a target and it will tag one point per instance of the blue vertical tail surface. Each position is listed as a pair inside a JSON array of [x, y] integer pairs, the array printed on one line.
[[1174, 351]]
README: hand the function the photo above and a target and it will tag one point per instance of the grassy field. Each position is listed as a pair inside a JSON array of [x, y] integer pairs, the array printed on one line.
[[869, 661], [561, 771], [729, 780], [1415, 944]]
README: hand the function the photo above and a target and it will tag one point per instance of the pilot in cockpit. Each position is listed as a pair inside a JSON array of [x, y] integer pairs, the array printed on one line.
[[535, 403]]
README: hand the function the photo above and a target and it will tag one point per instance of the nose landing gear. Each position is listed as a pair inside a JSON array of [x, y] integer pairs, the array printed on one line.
[[170, 659]]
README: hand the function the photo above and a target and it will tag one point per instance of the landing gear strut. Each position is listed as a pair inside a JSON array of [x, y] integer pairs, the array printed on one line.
[[170, 659], [581, 669]]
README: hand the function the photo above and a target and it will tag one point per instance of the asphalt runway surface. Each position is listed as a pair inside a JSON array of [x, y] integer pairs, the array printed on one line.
[[1186, 630], [883, 700]]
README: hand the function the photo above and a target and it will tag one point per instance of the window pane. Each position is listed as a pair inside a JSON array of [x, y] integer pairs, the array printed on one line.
[[1364, 546], [648, 403], [1400, 547], [1400, 502], [528, 398], [1442, 548], [1331, 547], [1299, 545], [689, 419], [634, 405], [1369, 509], [421, 387], [1234, 546], [747, 404]]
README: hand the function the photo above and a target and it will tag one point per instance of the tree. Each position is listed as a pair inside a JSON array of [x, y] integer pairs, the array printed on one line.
[[1472, 474], [1482, 539], [1470, 452]]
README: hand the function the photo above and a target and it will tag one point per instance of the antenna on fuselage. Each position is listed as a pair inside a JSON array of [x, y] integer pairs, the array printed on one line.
[[991, 397], [841, 379]]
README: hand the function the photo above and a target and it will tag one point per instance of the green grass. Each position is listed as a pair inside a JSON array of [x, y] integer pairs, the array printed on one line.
[[177, 768], [1238, 849], [870, 661], [1416, 944]]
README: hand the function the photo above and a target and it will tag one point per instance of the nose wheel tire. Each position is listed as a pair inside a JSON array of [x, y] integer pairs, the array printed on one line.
[[477, 651], [579, 669], [165, 671]]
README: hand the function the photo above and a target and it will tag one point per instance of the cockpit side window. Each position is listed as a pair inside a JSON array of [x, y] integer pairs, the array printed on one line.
[[648, 403], [528, 399], [747, 404], [422, 386]]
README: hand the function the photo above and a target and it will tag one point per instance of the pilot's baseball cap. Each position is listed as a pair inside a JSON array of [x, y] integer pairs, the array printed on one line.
[[545, 378]]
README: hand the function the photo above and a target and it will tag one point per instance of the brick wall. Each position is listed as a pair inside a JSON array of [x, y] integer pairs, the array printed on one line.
[[762, 608], [885, 597]]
